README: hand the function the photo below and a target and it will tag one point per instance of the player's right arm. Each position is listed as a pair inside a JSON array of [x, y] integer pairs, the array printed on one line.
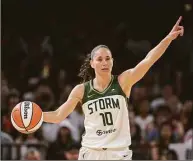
[[65, 109]]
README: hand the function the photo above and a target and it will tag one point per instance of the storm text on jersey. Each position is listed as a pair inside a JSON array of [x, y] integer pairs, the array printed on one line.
[[103, 103]]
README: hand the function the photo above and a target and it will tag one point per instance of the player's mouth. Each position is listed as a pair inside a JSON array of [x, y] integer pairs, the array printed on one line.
[[105, 69]]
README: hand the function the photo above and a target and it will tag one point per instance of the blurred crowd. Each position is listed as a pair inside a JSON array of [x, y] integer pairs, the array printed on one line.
[[44, 69], [159, 113]]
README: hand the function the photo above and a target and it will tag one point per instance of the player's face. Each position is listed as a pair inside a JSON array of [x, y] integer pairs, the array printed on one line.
[[102, 61]]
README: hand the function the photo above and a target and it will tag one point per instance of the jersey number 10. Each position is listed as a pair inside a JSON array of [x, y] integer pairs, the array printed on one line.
[[107, 118]]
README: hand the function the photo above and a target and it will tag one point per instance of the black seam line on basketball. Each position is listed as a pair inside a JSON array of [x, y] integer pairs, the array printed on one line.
[[31, 116], [83, 155], [38, 121], [22, 119], [16, 121]]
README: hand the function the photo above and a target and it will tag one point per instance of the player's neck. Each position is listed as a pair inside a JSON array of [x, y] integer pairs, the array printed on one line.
[[102, 82]]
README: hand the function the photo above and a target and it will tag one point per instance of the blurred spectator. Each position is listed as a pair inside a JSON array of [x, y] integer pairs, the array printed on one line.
[[178, 130], [32, 84], [162, 114], [169, 155], [44, 97], [50, 131], [7, 152], [77, 120], [160, 149], [11, 101], [32, 154], [167, 92], [135, 130], [188, 137], [44, 69], [28, 141], [144, 117], [138, 94], [174, 104], [186, 115], [151, 133], [63, 147]]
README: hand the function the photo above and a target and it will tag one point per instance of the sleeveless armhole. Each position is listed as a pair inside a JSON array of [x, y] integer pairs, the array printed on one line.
[[86, 88], [121, 90]]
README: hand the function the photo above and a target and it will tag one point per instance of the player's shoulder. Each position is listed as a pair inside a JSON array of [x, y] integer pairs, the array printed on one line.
[[78, 91], [79, 87], [86, 83]]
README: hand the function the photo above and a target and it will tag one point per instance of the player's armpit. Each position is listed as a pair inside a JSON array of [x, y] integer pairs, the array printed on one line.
[[129, 77], [137, 73]]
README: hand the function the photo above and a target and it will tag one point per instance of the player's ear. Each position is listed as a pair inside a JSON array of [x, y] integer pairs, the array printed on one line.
[[91, 63]]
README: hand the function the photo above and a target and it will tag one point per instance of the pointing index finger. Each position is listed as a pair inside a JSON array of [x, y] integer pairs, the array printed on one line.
[[179, 20]]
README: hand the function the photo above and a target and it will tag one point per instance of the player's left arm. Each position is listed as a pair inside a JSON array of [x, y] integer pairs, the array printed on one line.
[[131, 76]]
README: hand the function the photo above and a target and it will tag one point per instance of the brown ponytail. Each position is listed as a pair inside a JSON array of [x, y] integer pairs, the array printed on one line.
[[86, 72]]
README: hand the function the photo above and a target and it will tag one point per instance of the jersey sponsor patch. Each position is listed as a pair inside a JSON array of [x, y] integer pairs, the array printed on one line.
[[101, 132]]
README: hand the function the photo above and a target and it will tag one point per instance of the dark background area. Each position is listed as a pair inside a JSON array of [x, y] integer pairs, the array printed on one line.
[[76, 27], [44, 44]]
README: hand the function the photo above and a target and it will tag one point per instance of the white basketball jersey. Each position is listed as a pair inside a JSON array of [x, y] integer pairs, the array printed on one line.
[[106, 117]]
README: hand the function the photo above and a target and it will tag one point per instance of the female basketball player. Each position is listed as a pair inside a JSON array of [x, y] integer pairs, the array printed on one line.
[[107, 135]]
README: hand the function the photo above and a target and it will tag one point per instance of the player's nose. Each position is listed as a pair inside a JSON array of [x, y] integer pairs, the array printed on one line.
[[104, 62]]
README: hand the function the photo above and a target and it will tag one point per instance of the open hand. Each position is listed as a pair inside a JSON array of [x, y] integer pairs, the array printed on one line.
[[176, 30]]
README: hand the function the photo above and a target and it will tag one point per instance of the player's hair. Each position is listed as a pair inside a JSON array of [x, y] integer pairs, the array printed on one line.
[[86, 72]]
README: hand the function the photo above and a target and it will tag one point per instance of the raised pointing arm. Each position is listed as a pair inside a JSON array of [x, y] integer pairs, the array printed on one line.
[[135, 74]]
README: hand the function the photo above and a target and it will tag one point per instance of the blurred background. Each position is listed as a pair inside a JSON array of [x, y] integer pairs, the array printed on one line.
[[43, 46]]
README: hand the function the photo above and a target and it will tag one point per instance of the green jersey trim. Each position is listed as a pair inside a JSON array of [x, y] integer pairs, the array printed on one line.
[[91, 85], [113, 88]]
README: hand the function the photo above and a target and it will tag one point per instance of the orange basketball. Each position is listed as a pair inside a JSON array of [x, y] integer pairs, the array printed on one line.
[[27, 117]]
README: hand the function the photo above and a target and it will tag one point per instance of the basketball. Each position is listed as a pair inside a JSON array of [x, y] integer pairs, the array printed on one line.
[[27, 117]]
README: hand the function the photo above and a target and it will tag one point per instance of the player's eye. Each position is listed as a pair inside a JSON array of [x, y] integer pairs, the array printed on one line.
[[108, 58], [100, 59]]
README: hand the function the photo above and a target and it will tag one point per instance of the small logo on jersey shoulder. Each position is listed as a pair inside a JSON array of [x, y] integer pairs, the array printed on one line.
[[89, 96], [113, 90], [101, 132]]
